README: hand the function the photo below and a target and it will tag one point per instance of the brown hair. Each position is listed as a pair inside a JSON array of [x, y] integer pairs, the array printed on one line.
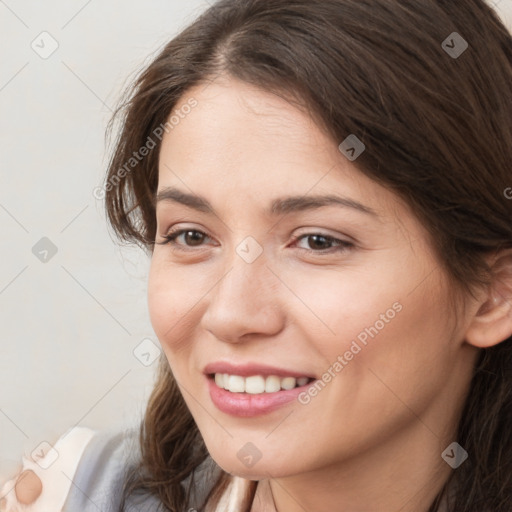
[[438, 132]]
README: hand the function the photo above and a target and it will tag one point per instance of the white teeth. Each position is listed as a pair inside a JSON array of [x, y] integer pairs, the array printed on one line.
[[288, 382], [272, 384], [235, 383], [256, 384], [219, 379], [302, 381]]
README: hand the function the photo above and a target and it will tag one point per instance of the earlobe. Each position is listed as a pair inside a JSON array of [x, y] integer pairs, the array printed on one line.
[[492, 323]]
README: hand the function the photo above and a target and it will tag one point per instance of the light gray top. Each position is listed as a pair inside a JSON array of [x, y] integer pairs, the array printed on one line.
[[101, 472], [84, 471]]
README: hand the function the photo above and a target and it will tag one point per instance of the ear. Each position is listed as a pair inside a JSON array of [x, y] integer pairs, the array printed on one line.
[[492, 323]]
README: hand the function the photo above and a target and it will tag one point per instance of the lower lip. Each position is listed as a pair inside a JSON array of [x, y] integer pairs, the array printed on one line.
[[248, 405]]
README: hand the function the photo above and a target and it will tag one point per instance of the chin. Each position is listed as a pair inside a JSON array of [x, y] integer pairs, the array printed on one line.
[[261, 470]]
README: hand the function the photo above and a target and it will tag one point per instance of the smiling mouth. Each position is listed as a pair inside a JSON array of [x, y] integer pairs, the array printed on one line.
[[257, 384]]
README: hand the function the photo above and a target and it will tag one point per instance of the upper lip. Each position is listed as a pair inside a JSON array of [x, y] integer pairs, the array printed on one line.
[[248, 369]]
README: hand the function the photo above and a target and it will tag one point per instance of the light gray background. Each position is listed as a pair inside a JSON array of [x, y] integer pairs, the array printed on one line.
[[69, 326]]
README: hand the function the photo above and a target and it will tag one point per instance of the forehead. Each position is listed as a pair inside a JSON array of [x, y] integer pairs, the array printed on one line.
[[242, 142], [234, 116]]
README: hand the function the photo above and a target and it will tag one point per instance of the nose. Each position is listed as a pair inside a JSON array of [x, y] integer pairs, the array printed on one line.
[[245, 303]]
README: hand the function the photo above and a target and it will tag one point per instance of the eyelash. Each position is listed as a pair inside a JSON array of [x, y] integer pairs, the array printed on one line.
[[170, 239]]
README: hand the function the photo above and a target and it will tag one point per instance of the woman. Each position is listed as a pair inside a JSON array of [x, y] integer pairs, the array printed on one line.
[[324, 191]]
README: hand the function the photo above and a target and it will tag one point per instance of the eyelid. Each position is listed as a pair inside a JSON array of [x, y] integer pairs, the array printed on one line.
[[175, 232], [320, 231], [340, 245]]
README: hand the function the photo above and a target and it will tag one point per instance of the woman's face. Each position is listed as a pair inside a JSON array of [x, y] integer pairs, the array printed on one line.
[[269, 281]]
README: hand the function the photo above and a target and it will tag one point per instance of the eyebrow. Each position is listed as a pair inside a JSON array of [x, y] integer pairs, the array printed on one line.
[[279, 206]]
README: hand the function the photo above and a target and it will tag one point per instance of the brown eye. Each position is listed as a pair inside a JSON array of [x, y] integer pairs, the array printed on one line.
[[318, 243], [189, 238], [193, 237]]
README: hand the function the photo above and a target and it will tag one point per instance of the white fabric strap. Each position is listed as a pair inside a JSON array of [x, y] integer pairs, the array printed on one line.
[[55, 467]]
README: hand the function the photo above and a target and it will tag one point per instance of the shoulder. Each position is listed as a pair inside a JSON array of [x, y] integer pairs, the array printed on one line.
[[98, 481], [84, 470]]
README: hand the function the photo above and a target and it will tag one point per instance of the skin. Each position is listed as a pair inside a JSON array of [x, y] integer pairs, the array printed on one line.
[[372, 439], [28, 487]]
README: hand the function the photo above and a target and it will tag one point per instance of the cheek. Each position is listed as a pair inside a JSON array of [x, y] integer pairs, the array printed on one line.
[[385, 365], [174, 301], [376, 368], [376, 320], [335, 307]]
